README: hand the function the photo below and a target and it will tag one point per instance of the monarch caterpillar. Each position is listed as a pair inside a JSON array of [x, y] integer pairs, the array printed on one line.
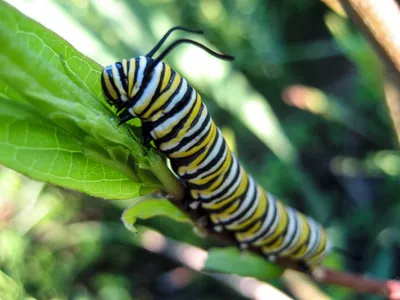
[[174, 116]]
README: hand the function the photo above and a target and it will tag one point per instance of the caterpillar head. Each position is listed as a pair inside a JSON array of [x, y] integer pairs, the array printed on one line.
[[114, 84]]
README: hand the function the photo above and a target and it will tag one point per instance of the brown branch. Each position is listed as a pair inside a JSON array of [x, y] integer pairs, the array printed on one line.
[[387, 288], [335, 6], [379, 21]]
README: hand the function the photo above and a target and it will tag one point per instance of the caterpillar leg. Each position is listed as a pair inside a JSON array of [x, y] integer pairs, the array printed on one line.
[[147, 138], [306, 268], [215, 223], [189, 202], [124, 117]]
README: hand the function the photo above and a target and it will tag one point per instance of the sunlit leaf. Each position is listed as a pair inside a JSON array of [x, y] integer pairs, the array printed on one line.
[[231, 260], [56, 126], [151, 208], [9, 289]]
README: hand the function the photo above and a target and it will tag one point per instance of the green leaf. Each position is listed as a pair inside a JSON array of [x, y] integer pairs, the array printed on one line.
[[9, 289], [33, 146], [231, 260], [56, 126], [146, 209]]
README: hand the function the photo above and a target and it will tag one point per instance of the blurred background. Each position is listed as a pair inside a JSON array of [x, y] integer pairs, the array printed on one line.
[[303, 107]]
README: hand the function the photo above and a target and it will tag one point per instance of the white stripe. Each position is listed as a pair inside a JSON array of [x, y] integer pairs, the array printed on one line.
[[176, 98], [244, 204], [250, 212], [226, 183], [118, 83], [313, 239], [293, 242], [290, 230], [165, 127], [150, 89], [182, 91], [272, 219], [208, 159], [139, 79], [140, 72], [165, 146]]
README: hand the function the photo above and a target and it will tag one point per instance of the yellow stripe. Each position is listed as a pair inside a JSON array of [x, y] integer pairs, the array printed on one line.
[[274, 246], [209, 139], [118, 85], [261, 208], [229, 211], [319, 252], [209, 192], [193, 166], [109, 86], [139, 108], [131, 77], [239, 191], [163, 98], [218, 172], [304, 231], [214, 218], [167, 77], [283, 223], [125, 67]]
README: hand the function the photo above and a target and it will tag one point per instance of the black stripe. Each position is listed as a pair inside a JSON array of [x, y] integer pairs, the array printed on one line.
[[305, 243], [166, 115], [228, 205], [318, 253], [181, 123], [128, 66], [205, 186], [106, 93], [273, 206], [146, 79], [164, 106], [156, 93], [136, 73], [223, 194], [213, 162], [280, 235], [207, 134], [176, 163], [251, 203], [186, 139], [108, 69], [263, 217], [291, 237], [223, 144], [122, 76]]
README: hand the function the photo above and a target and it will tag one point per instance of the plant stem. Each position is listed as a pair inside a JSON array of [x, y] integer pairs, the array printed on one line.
[[379, 21], [173, 188]]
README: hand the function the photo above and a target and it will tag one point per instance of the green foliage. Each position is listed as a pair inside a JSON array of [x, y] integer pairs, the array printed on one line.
[[231, 260], [9, 289], [151, 208], [55, 126]]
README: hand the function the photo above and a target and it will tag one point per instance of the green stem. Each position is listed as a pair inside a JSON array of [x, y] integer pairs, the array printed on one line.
[[170, 182]]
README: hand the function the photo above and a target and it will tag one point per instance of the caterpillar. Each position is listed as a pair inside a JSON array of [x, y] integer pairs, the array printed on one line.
[[175, 118]]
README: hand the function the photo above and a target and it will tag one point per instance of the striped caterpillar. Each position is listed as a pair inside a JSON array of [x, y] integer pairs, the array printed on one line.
[[174, 116]]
